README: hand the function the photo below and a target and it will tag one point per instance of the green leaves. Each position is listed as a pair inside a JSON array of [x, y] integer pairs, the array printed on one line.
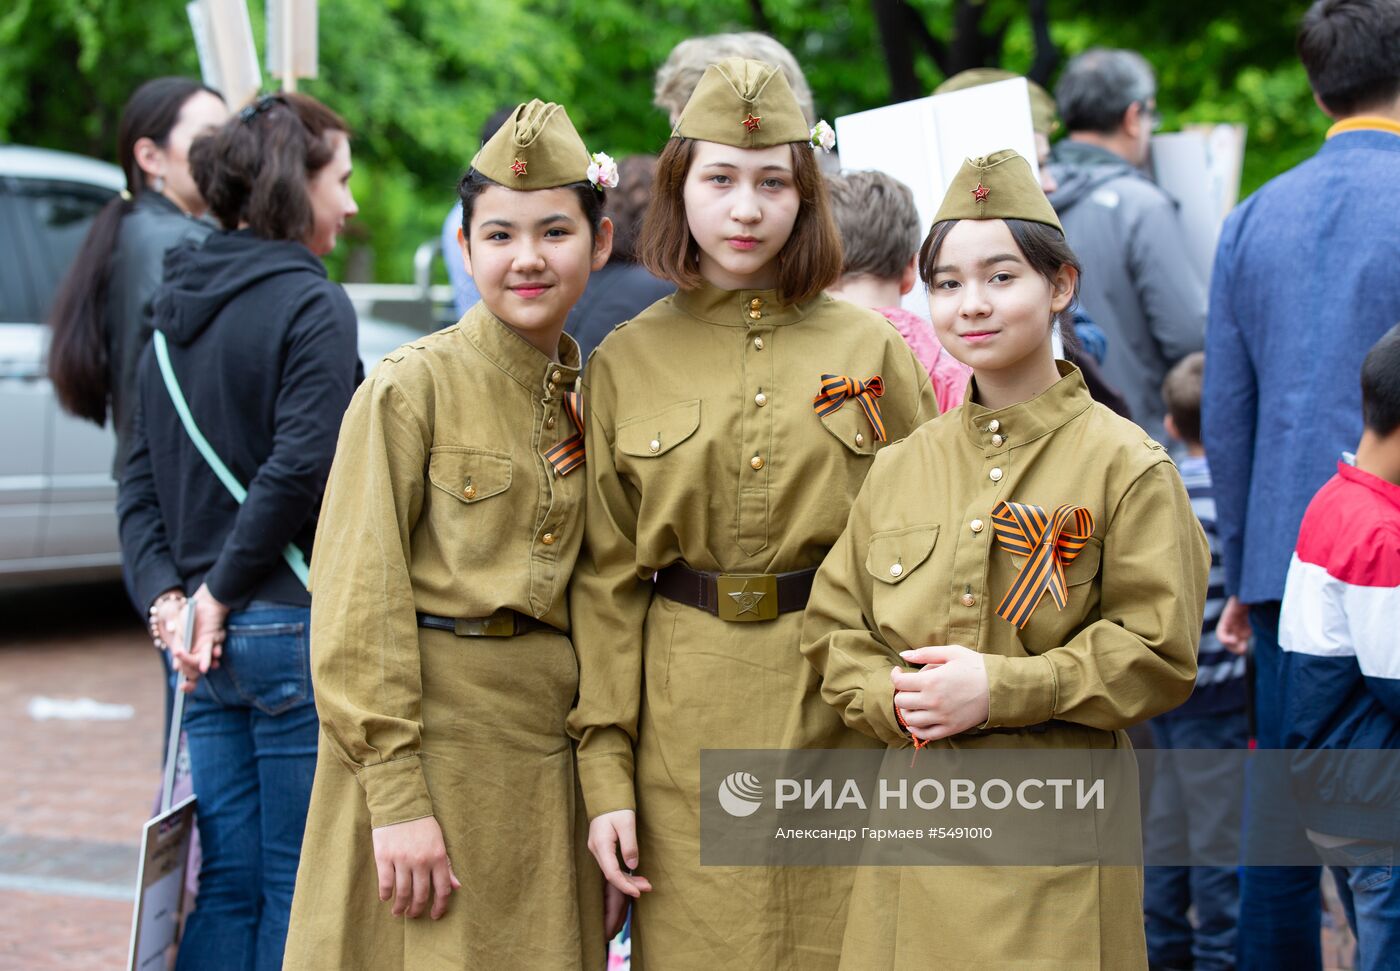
[[415, 79]]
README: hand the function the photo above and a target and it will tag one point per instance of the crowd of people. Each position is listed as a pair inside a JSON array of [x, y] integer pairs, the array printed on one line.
[[687, 475]]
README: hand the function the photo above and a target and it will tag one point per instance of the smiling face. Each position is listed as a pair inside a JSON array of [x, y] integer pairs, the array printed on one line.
[[331, 200], [991, 309], [530, 254], [740, 204]]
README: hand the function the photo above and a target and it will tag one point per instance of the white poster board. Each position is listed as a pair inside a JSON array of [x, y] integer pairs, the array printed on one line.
[[1200, 168], [923, 143], [160, 887], [223, 38], [291, 40]]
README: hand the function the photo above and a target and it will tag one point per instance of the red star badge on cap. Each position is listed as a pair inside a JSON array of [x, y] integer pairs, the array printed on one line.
[[981, 192], [518, 167], [752, 122]]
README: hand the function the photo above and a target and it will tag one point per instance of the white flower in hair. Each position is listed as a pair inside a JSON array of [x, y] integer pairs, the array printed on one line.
[[823, 136], [603, 171]]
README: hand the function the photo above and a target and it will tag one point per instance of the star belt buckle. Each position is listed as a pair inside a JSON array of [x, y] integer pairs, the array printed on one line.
[[744, 598]]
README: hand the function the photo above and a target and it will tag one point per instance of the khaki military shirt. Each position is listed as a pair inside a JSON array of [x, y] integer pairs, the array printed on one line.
[[440, 501], [704, 447], [920, 564]]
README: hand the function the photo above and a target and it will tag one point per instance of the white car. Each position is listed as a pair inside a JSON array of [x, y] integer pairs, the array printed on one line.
[[57, 498]]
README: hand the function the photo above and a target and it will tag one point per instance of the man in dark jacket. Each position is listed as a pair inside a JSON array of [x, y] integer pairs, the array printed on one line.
[[1139, 283]]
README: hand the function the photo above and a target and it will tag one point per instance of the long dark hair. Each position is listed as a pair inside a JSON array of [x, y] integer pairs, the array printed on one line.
[[78, 350], [255, 168]]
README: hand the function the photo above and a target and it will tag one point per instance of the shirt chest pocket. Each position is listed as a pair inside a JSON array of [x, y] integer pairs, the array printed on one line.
[[469, 475], [653, 436], [849, 425], [894, 554], [906, 599], [1050, 626]]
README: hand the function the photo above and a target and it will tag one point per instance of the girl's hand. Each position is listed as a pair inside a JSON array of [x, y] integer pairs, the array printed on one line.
[[614, 910], [1233, 630], [412, 862], [949, 695], [606, 835]]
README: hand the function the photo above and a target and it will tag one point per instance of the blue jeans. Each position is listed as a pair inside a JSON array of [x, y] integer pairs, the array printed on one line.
[[1371, 896], [1179, 823], [1280, 907], [252, 732]]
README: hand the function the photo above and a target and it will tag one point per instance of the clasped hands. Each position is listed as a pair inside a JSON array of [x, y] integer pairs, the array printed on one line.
[[948, 695], [191, 656]]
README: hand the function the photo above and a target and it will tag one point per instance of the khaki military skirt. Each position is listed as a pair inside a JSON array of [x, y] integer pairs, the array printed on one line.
[[500, 769]]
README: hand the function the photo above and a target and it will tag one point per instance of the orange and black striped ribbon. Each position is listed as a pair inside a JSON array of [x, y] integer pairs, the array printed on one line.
[[836, 389], [1049, 543], [569, 454]]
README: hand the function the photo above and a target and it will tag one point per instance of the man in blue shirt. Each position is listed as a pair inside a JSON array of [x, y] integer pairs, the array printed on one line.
[[1305, 281]]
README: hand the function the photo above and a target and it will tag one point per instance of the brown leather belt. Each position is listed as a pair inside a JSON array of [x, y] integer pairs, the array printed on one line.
[[737, 597], [503, 623]]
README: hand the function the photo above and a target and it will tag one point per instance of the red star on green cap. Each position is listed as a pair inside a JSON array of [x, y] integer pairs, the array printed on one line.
[[518, 167], [752, 122], [981, 192]]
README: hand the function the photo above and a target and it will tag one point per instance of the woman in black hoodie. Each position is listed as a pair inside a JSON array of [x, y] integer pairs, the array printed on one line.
[[263, 347]]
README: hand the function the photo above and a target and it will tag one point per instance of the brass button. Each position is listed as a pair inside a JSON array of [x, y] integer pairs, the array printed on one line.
[[654, 445], [997, 440], [977, 525], [896, 570], [547, 539], [756, 462], [758, 343], [549, 422], [755, 304], [469, 492], [755, 314], [993, 425], [994, 475], [968, 600], [860, 439], [760, 399], [556, 377]]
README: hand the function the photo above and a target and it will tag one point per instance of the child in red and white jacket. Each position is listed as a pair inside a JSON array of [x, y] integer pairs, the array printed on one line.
[[1341, 664]]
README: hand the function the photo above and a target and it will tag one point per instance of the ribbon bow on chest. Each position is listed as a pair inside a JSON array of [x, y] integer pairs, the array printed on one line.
[[836, 388], [569, 454], [1049, 543]]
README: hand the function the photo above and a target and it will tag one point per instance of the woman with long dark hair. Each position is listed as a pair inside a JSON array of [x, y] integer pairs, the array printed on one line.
[[101, 316], [263, 347]]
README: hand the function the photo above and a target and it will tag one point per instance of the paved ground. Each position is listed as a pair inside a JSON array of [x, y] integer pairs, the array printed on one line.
[[76, 793]]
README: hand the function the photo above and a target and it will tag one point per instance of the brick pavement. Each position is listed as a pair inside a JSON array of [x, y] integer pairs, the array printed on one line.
[[75, 793]]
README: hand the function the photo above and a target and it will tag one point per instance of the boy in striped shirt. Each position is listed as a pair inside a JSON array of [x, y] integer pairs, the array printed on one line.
[[1181, 823], [1341, 665]]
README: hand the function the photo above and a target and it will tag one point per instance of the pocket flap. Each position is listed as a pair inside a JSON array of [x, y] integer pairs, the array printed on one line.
[[658, 434], [849, 425], [469, 474], [893, 554], [1084, 568]]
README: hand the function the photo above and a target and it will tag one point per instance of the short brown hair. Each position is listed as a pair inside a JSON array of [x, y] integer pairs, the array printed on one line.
[[808, 263], [878, 223], [254, 169], [1181, 393]]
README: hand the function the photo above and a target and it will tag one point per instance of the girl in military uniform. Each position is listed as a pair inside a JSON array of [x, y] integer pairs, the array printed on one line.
[[1023, 572], [445, 783], [730, 426]]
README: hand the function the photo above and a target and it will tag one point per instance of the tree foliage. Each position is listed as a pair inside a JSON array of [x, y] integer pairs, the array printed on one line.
[[416, 78]]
